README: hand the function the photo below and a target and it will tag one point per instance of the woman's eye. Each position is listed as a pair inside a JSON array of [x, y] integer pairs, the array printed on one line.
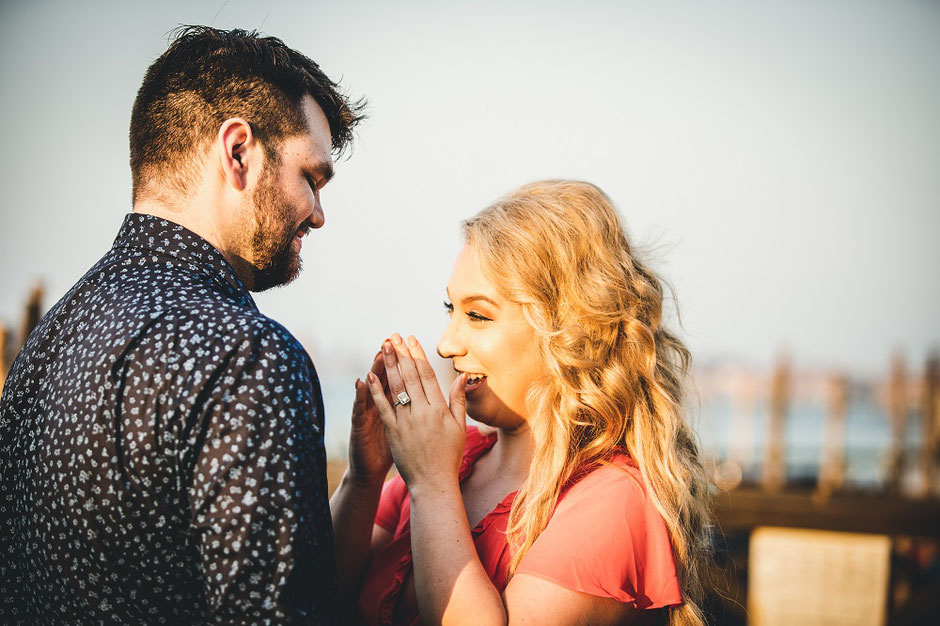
[[449, 308], [476, 317]]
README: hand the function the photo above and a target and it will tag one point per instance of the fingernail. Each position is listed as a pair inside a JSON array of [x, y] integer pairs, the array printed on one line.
[[371, 377], [396, 339], [412, 341], [387, 347]]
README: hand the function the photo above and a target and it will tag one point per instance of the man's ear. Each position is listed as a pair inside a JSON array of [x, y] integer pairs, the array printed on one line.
[[238, 151]]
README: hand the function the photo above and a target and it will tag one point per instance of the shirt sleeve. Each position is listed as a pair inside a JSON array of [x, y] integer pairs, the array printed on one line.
[[256, 484], [606, 538], [393, 496]]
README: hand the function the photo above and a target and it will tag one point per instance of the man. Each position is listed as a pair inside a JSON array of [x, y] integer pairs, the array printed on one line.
[[161, 439]]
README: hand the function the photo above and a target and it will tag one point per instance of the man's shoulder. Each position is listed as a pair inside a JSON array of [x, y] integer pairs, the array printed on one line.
[[259, 330], [234, 328]]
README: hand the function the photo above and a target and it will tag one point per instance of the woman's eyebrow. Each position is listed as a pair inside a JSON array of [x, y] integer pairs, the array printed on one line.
[[473, 298], [478, 297]]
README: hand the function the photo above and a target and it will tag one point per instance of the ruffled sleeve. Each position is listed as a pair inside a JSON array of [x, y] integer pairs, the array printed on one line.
[[607, 539], [393, 496]]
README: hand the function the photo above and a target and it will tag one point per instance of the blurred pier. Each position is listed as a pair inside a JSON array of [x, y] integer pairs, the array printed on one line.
[[838, 520]]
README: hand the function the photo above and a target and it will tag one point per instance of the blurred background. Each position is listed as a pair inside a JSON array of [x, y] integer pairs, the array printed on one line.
[[778, 163]]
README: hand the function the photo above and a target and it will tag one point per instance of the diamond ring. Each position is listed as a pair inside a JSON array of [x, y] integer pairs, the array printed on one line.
[[403, 399]]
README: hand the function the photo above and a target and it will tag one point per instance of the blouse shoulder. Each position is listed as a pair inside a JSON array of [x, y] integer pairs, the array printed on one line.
[[606, 538]]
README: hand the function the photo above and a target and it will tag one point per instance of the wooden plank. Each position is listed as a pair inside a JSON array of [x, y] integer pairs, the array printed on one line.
[[817, 578], [745, 509]]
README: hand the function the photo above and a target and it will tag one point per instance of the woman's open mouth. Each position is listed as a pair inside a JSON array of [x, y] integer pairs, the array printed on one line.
[[474, 382]]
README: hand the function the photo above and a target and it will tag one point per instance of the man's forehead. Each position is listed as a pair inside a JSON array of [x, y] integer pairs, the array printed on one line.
[[318, 127], [311, 149]]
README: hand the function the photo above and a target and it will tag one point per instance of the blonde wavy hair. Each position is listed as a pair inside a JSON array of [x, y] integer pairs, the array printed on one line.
[[616, 378]]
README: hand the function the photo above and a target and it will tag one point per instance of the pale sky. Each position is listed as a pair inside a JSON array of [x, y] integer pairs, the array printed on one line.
[[779, 160]]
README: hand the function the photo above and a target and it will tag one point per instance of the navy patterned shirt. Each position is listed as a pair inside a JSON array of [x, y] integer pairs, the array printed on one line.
[[161, 451]]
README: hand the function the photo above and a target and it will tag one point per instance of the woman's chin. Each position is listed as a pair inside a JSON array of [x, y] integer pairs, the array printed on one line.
[[483, 413]]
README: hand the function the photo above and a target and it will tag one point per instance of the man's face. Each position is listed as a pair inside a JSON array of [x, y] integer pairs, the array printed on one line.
[[285, 203]]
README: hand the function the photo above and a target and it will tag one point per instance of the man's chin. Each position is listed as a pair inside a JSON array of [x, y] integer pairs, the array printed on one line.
[[277, 274]]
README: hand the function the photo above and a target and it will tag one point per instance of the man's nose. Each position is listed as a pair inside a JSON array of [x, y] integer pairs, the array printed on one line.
[[317, 218]]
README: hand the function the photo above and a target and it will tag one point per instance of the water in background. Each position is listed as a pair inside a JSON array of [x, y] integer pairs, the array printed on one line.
[[867, 433], [867, 438]]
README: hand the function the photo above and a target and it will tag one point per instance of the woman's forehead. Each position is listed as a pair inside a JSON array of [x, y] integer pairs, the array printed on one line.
[[467, 279]]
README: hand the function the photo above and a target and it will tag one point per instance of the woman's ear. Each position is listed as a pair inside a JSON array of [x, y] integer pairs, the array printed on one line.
[[238, 152]]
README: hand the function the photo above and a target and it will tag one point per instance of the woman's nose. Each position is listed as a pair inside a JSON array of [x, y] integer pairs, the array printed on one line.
[[450, 345]]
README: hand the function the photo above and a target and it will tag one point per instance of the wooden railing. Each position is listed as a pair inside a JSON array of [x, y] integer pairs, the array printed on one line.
[[9, 344]]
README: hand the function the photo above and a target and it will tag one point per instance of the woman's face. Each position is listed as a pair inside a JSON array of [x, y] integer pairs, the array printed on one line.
[[489, 338]]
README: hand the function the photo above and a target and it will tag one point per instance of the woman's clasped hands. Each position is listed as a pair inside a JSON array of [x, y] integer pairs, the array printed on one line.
[[425, 435]]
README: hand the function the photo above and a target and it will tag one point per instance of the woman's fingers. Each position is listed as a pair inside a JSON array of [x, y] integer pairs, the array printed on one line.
[[458, 399], [386, 412], [409, 372], [359, 402], [393, 376], [362, 402], [432, 390], [378, 365], [378, 368]]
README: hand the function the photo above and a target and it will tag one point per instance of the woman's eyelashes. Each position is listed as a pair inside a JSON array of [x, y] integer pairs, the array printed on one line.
[[473, 315]]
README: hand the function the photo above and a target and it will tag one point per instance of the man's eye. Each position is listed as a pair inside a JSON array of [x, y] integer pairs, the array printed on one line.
[[312, 183]]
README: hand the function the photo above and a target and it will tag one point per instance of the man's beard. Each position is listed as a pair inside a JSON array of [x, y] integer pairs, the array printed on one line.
[[274, 261]]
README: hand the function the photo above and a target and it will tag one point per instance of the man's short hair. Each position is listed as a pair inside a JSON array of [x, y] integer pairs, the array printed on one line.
[[207, 76]]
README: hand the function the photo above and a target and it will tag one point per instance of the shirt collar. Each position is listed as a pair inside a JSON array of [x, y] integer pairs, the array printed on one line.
[[157, 234]]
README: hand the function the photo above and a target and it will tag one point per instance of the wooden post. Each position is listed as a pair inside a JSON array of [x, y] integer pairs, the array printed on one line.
[[32, 314], [744, 398], [833, 448], [4, 365], [897, 412], [774, 474], [930, 412]]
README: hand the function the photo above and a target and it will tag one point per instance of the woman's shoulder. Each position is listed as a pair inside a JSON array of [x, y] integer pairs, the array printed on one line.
[[618, 474], [607, 538], [610, 497]]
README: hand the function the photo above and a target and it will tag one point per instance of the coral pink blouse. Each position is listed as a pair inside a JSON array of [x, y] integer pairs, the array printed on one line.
[[604, 538]]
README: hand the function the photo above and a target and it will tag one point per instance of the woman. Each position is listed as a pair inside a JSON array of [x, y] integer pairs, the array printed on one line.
[[584, 502]]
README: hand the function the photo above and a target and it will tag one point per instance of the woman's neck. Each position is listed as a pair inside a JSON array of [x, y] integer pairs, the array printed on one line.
[[513, 450]]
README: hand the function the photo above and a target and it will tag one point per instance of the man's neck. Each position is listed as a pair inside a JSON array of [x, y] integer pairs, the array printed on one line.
[[197, 221]]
